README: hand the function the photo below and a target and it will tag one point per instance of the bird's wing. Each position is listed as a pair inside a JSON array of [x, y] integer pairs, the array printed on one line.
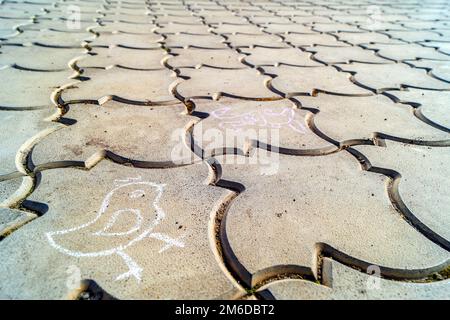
[[121, 223]]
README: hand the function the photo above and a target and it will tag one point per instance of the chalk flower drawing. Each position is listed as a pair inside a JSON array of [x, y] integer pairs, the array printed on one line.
[[143, 227], [266, 118]]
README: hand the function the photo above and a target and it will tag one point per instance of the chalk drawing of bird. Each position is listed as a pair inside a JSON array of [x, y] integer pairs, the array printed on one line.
[[111, 231], [269, 118]]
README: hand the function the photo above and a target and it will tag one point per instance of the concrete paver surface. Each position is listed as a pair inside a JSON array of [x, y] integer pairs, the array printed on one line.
[[234, 149]]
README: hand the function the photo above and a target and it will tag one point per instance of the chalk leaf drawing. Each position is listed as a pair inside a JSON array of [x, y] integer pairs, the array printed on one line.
[[143, 218], [264, 118]]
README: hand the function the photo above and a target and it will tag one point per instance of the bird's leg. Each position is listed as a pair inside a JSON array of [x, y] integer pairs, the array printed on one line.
[[134, 269], [170, 242]]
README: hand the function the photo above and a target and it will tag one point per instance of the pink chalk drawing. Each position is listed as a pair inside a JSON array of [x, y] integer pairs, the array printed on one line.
[[103, 223], [264, 118]]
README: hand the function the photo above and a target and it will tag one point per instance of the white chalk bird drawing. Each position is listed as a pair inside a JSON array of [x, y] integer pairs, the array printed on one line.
[[268, 118], [144, 217]]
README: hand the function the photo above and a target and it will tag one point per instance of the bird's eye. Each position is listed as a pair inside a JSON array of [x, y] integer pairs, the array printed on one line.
[[137, 194]]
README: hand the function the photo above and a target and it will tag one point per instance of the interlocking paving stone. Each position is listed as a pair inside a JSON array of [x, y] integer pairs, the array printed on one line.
[[433, 104], [10, 219], [346, 283], [13, 190], [234, 123], [101, 128], [334, 27], [220, 18], [262, 56], [310, 40], [247, 40], [285, 28], [213, 82], [265, 19], [19, 128], [227, 28], [121, 27], [30, 89], [10, 25], [407, 52], [309, 194], [206, 41], [300, 81], [58, 25], [443, 47], [137, 226], [366, 38], [258, 149], [139, 86], [381, 26], [52, 38], [414, 36], [439, 69], [368, 115], [348, 18], [38, 57], [139, 11], [13, 13], [125, 57], [176, 18], [400, 75], [311, 19], [7, 33], [118, 17], [424, 194], [192, 57], [138, 41], [173, 28], [334, 55]]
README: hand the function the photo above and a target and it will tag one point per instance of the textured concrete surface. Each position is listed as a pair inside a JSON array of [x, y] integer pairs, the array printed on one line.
[[347, 283], [167, 251], [234, 149], [12, 219]]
